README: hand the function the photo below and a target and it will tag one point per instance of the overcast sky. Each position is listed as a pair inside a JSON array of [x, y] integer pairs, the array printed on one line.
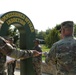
[[44, 14]]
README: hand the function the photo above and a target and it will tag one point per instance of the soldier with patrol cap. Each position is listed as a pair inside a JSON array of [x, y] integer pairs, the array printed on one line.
[[63, 52], [7, 49], [37, 61]]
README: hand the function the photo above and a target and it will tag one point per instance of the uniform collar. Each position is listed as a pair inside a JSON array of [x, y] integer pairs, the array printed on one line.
[[68, 37]]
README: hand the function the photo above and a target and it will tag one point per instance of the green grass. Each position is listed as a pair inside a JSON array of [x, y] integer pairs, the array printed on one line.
[[43, 58], [44, 49]]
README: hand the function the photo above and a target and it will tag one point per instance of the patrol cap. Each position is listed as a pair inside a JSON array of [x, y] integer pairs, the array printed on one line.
[[67, 24]]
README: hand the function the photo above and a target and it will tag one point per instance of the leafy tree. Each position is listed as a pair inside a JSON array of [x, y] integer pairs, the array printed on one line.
[[47, 31], [40, 34], [52, 37], [58, 27], [75, 30]]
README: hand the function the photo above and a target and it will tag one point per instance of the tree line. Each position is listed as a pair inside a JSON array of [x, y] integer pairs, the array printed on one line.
[[51, 35]]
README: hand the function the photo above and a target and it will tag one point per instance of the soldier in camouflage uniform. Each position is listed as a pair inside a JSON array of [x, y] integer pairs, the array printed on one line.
[[63, 52], [7, 49], [37, 60], [12, 63]]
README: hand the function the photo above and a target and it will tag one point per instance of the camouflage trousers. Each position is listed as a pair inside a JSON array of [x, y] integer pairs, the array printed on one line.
[[37, 68], [11, 68]]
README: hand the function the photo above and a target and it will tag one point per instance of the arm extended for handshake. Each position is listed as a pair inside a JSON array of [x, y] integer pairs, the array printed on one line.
[[7, 49]]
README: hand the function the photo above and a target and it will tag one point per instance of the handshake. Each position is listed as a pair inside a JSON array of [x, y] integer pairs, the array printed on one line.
[[36, 53]]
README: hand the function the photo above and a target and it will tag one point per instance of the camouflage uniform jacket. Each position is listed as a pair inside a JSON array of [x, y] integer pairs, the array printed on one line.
[[63, 55], [7, 49], [37, 61], [37, 58]]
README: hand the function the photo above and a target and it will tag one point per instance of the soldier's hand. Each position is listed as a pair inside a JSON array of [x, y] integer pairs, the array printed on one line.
[[36, 53]]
